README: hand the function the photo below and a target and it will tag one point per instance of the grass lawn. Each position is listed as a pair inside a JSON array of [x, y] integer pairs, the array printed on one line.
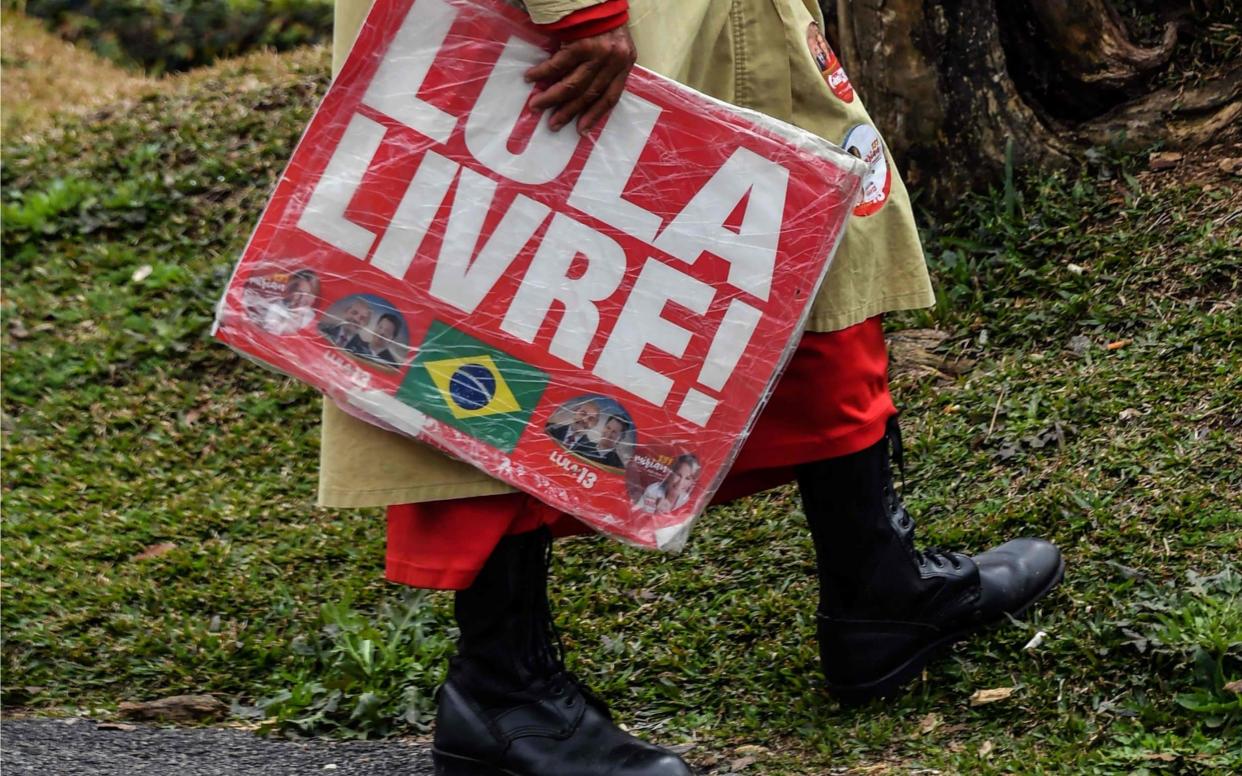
[[42, 76], [160, 535]]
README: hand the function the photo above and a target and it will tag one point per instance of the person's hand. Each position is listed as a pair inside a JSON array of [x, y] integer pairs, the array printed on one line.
[[587, 77]]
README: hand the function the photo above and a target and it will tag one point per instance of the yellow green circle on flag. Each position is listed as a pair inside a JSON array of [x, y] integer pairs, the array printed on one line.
[[472, 386]]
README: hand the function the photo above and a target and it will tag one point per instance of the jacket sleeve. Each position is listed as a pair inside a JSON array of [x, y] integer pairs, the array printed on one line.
[[589, 21], [550, 11]]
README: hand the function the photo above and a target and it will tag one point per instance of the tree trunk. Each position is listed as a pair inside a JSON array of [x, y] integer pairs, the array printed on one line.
[[961, 87], [1090, 40]]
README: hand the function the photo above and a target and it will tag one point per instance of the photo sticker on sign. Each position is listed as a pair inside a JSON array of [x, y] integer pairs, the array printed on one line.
[[661, 479], [472, 386], [281, 301], [369, 328], [594, 428]]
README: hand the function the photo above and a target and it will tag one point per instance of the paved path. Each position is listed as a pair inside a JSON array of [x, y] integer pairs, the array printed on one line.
[[77, 747]]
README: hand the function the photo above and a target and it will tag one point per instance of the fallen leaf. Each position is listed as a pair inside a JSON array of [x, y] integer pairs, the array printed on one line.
[[142, 273], [1035, 641], [155, 550], [1076, 269], [912, 353], [248, 726], [1164, 160], [928, 723], [1008, 450], [17, 329], [752, 749], [1164, 757], [1080, 343], [740, 763], [1118, 345], [986, 748], [1231, 165], [176, 708], [192, 417], [116, 726], [1234, 686], [993, 695]]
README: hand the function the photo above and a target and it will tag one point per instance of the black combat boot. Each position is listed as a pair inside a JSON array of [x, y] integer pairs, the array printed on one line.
[[508, 706], [885, 607]]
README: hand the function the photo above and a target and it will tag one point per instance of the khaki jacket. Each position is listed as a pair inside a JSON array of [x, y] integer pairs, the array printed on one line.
[[758, 54]]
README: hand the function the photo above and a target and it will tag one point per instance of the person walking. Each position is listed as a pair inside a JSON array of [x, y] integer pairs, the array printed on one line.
[[508, 705]]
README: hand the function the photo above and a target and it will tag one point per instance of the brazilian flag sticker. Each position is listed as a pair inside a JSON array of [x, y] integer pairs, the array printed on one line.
[[472, 386]]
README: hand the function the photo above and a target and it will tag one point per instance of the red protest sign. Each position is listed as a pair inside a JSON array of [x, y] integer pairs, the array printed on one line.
[[596, 321]]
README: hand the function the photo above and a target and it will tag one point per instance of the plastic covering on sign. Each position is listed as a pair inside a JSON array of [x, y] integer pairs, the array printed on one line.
[[594, 320]]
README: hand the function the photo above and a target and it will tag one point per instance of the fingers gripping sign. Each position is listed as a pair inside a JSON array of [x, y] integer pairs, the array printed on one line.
[[584, 79]]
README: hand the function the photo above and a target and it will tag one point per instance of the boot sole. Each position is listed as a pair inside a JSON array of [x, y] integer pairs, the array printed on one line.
[[890, 683], [456, 765]]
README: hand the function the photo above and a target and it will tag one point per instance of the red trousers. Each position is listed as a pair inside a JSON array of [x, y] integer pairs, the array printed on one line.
[[833, 400]]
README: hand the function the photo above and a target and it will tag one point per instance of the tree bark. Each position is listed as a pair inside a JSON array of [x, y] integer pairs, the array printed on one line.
[[1090, 40], [962, 87], [1176, 117], [934, 78]]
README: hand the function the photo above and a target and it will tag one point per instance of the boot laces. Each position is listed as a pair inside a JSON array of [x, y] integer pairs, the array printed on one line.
[[562, 683], [547, 645], [893, 434], [894, 453], [934, 556], [938, 557], [566, 684]]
